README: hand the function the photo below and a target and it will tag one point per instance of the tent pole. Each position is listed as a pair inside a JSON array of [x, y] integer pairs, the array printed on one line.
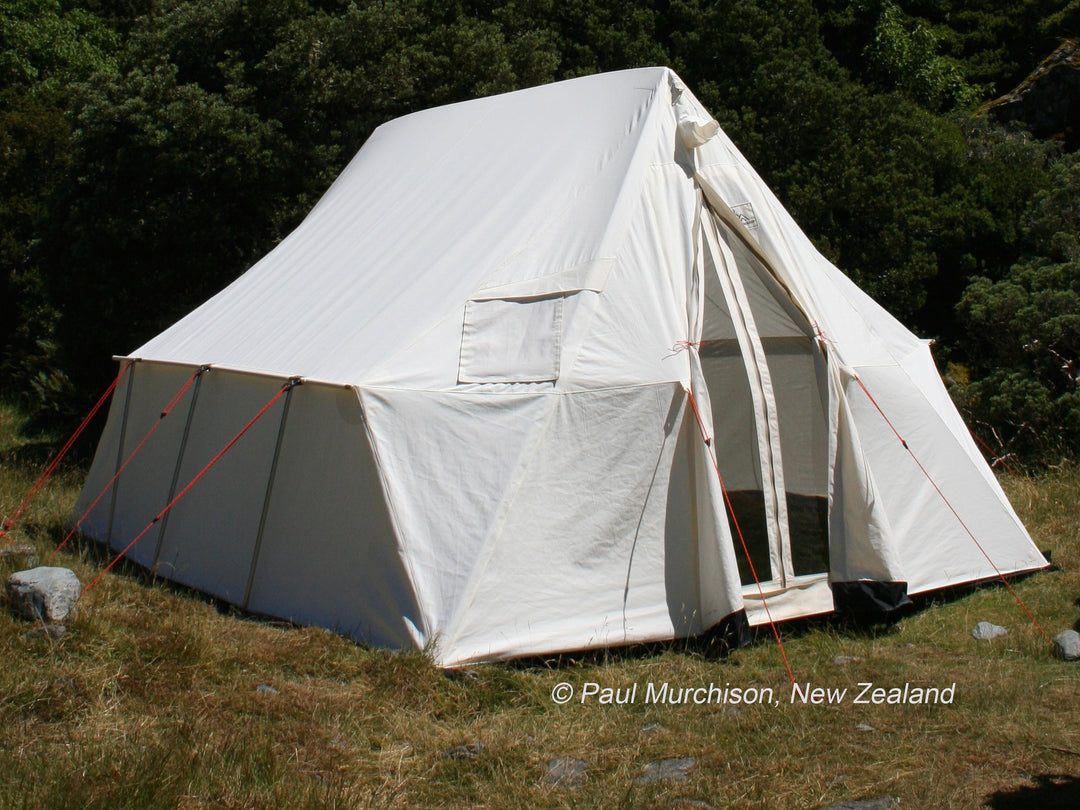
[[266, 498], [179, 463], [120, 453]]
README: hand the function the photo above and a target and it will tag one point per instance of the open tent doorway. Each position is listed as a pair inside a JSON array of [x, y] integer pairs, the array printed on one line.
[[767, 382]]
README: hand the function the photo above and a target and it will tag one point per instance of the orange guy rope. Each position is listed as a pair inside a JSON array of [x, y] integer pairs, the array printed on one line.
[[997, 459], [952, 509], [194, 481], [55, 462], [165, 412], [742, 540]]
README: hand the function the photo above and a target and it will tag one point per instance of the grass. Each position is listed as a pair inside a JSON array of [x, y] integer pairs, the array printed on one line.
[[153, 699]]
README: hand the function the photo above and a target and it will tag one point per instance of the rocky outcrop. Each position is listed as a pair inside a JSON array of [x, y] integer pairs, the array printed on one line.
[[1047, 102]]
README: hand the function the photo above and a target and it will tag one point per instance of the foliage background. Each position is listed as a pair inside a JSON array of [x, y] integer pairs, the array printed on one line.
[[152, 150]]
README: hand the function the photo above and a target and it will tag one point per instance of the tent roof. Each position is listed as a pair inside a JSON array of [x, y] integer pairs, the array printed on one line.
[[436, 208]]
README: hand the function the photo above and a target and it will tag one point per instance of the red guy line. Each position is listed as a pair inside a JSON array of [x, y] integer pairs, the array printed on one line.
[[51, 468], [742, 540], [952, 509], [165, 412], [192, 483]]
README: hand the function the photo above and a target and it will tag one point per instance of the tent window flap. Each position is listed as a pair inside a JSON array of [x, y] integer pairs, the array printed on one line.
[[511, 341]]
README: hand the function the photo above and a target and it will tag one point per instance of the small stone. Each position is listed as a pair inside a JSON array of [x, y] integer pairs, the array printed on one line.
[[462, 675], [1067, 645], [265, 689], [20, 556], [692, 804], [864, 727], [985, 631], [53, 631], [45, 593], [844, 660], [653, 729], [466, 751], [675, 769], [567, 772], [885, 803]]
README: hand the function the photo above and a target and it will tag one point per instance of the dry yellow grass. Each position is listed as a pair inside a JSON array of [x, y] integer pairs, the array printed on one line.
[[153, 700]]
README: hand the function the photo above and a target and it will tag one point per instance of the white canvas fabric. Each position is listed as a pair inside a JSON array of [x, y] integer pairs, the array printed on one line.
[[517, 320]]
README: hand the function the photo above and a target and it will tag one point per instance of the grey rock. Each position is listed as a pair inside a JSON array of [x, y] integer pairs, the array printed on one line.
[[265, 689], [675, 769], [20, 556], [1044, 101], [1067, 645], [653, 729], [45, 593], [866, 804], [566, 772], [462, 674], [466, 751], [844, 660], [864, 727], [985, 631]]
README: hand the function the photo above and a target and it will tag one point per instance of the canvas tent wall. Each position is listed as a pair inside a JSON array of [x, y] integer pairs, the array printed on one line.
[[532, 329]]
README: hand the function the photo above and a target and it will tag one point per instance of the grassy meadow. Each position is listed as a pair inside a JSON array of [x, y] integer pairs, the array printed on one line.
[[157, 697]]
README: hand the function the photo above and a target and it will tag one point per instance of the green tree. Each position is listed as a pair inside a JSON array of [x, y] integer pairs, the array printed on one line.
[[1023, 331], [45, 46], [906, 52], [991, 44]]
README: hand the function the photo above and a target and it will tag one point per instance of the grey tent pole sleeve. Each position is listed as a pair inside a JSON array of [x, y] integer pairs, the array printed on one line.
[[120, 453], [269, 492], [179, 462]]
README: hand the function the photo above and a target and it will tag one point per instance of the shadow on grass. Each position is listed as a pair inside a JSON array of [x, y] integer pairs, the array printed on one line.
[[718, 641], [715, 643], [33, 454], [1050, 791], [100, 555]]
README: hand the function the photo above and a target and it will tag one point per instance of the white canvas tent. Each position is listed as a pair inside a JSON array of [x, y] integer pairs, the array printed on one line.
[[505, 313]]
